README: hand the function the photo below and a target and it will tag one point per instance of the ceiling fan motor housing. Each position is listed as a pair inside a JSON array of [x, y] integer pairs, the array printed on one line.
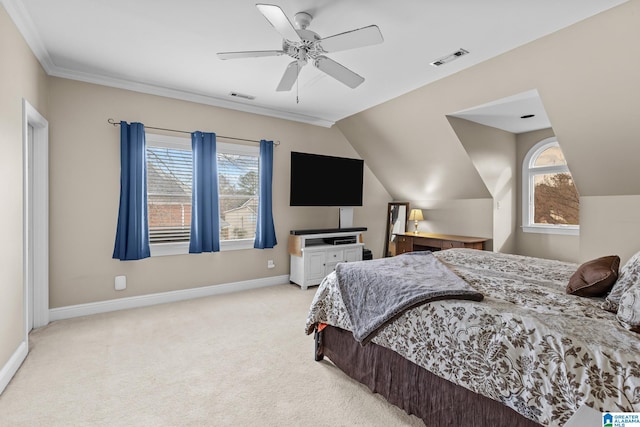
[[307, 49]]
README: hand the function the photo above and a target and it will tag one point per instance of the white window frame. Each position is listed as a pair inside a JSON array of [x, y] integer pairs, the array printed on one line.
[[182, 248], [528, 174]]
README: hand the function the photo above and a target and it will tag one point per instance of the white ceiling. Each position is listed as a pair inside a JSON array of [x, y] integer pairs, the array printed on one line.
[[519, 113], [169, 48]]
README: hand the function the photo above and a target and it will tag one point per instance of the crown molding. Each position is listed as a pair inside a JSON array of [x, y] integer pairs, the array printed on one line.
[[150, 89], [20, 17], [18, 13]]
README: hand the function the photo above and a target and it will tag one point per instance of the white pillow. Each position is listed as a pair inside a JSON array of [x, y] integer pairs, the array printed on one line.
[[628, 276], [629, 309]]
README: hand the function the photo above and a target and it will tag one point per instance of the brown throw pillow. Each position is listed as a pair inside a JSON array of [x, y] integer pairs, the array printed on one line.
[[594, 278]]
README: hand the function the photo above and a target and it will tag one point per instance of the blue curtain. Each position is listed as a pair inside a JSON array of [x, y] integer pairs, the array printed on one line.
[[132, 234], [205, 211], [265, 231]]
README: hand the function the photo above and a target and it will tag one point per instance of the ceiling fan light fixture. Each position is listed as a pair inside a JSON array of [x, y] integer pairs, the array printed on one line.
[[302, 20], [455, 55]]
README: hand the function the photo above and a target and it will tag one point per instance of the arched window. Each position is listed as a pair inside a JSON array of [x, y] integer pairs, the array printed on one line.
[[550, 200]]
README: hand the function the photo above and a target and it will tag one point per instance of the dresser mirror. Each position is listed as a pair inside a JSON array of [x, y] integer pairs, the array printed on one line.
[[396, 224]]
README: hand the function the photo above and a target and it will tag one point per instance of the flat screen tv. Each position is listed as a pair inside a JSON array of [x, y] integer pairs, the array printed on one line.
[[318, 180]]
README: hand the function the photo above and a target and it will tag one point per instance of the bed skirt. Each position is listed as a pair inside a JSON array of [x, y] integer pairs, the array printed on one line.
[[436, 401]]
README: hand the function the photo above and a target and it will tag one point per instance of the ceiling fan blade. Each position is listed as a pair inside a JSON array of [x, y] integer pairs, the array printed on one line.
[[279, 20], [338, 71], [289, 77], [352, 39], [249, 54]]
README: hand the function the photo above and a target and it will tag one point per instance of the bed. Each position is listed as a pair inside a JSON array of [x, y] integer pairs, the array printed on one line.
[[526, 353]]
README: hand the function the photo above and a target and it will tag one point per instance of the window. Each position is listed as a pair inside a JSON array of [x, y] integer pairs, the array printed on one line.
[[550, 200], [169, 180], [238, 191], [169, 172]]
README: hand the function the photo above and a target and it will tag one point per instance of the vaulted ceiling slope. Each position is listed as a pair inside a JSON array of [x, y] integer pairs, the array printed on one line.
[[587, 78]]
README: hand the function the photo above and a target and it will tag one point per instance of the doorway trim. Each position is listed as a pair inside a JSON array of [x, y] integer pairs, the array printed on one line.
[[36, 208]]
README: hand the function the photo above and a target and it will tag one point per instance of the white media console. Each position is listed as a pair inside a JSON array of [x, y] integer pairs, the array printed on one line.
[[315, 253]]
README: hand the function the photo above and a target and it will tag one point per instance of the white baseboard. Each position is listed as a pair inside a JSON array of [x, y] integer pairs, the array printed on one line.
[[13, 364], [71, 311]]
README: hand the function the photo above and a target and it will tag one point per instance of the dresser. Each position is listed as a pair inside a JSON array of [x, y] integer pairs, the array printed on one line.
[[409, 242]]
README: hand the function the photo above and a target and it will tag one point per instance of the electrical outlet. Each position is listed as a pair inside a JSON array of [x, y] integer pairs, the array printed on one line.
[[121, 283], [270, 264]]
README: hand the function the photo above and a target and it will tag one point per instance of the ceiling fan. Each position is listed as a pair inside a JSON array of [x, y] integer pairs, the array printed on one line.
[[305, 46]]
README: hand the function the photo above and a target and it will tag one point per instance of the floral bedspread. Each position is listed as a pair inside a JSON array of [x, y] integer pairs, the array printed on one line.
[[528, 344]]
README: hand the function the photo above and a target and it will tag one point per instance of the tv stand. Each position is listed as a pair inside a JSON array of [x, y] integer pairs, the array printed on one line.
[[316, 252], [327, 230]]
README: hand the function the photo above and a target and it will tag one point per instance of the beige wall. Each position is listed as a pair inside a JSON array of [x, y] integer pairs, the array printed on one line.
[[84, 181], [592, 103], [466, 217], [609, 225], [20, 77], [493, 153]]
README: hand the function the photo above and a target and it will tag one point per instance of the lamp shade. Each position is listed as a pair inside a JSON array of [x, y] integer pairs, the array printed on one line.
[[416, 215]]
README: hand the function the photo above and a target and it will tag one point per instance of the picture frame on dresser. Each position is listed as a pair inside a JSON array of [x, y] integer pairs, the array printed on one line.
[[397, 213]]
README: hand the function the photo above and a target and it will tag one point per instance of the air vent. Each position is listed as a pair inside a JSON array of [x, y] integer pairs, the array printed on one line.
[[242, 95], [455, 55]]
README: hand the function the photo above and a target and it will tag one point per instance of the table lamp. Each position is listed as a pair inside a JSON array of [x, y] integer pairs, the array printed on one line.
[[416, 215]]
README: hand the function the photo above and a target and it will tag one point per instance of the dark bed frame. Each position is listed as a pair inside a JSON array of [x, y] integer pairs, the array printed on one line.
[[438, 402]]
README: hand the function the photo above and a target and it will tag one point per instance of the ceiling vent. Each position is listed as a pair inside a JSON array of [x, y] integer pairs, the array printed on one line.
[[455, 55], [242, 95]]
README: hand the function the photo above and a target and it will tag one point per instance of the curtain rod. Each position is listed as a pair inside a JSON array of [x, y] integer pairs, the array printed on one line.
[[115, 123]]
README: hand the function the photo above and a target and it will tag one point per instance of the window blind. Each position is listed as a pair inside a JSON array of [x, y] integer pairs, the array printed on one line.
[[169, 181]]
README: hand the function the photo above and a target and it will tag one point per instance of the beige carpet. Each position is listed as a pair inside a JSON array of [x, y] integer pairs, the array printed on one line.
[[238, 359]]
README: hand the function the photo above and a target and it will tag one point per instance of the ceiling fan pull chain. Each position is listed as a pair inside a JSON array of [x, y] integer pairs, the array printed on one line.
[[297, 85]]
